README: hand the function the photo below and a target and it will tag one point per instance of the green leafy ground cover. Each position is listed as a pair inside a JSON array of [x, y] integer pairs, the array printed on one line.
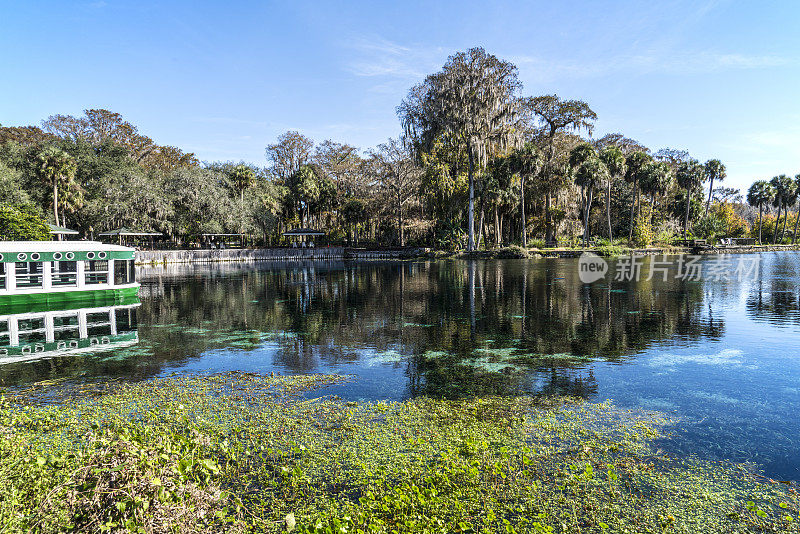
[[243, 452]]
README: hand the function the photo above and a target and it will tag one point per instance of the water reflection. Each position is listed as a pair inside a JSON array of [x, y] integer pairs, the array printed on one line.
[[39, 335]]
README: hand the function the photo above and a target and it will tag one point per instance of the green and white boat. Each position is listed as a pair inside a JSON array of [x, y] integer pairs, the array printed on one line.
[[37, 334], [49, 274]]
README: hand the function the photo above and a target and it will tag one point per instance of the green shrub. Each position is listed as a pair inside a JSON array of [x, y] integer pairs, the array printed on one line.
[[710, 227], [22, 223], [609, 250], [512, 252], [642, 233]]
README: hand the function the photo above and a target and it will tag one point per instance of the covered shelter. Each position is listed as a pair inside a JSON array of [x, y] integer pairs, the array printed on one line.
[[223, 240], [58, 232], [125, 235], [303, 234]]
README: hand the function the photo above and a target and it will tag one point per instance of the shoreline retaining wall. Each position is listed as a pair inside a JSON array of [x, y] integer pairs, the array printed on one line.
[[270, 254], [155, 257]]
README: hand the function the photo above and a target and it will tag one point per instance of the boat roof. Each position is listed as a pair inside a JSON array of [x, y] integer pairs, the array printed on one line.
[[58, 246]]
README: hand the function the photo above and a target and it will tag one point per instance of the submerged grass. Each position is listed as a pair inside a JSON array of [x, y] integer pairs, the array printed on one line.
[[243, 452]]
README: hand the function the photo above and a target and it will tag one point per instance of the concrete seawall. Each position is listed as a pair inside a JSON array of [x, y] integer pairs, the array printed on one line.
[[158, 257], [270, 254]]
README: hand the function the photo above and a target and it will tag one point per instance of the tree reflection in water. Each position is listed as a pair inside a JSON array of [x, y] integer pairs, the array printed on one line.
[[456, 327]]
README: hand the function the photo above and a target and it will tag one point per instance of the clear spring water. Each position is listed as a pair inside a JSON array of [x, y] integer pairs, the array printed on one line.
[[721, 356]]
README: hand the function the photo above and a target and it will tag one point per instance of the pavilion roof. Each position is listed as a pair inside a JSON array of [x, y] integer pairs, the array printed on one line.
[[124, 231], [303, 232], [56, 230]]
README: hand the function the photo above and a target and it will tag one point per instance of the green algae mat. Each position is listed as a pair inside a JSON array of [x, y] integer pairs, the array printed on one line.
[[253, 453]]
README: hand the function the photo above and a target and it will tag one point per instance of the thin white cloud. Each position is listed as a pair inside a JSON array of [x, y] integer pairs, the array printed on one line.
[[548, 70], [378, 57]]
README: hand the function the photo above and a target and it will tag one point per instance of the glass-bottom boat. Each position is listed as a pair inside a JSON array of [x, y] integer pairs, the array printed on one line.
[[54, 273]]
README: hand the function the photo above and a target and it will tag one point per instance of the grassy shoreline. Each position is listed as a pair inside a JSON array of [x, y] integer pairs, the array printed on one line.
[[251, 453]]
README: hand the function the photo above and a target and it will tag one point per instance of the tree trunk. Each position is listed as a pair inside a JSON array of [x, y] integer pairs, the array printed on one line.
[[633, 207], [55, 200], [608, 212], [708, 202], [686, 215], [548, 229], [796, 219], [785, 218], [400, 221], [548, 233], [586, 217], [497, 226], [522, 211], [777, 226], [471, 214], [480, 226], [760, 208]]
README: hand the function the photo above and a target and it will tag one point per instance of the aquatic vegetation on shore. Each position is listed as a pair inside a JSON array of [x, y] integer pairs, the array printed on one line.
[[246, 452]]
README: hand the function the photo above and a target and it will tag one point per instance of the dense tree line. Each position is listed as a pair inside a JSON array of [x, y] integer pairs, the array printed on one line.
[[478, 164]]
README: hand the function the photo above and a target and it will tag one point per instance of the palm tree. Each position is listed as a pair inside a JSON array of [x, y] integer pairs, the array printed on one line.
[[472, 101], [57, 169], [589, 172], [785, 195], [656, 179], [760, 194], [243, 177], [714, 170], [635, 162], [690, 176], [614, 160], [797, 216], [525, 162]]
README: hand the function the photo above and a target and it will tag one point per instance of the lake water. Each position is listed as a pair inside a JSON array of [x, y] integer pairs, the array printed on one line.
[[722, 356]]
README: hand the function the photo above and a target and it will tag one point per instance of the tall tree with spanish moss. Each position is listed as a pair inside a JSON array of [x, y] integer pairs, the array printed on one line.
[[557, 116], [472, 102], [398, 176]]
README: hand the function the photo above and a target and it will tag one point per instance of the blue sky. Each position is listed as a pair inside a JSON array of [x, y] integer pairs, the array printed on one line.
[[223, 79]]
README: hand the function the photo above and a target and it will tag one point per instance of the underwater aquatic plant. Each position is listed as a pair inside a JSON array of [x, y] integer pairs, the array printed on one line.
[[248, 452]]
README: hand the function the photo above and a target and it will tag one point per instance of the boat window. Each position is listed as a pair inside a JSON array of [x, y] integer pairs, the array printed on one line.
[[126, 319], [98, 323], [2, 275], [65, 273], [5, 334], [31, 330], [66, 327], [28, 274], [124, 272], [96, 271]]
